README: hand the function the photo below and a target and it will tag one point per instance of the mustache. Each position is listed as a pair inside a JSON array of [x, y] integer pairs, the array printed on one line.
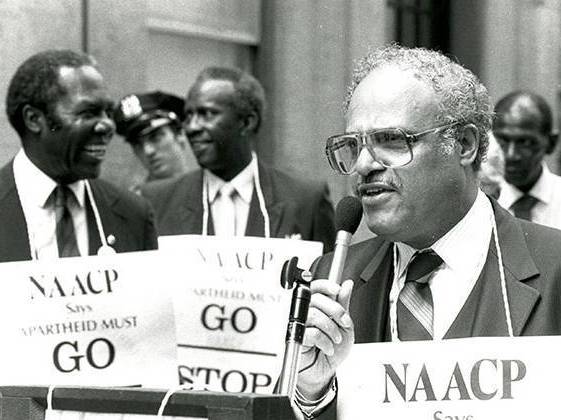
[[363, 180]]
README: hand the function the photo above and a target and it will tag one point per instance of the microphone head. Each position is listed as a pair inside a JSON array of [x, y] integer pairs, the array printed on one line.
[[348, 214]]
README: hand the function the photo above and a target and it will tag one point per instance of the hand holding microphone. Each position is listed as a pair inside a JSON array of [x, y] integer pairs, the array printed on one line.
[[329, 329]]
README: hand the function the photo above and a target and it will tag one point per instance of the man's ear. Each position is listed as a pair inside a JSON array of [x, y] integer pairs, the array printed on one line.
[[552, 138], [469, 144], [250, 122], [33, 118]]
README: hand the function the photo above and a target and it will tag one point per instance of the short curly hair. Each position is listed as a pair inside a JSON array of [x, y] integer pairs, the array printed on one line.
[[463, 98], [250, 95], [36, 83]]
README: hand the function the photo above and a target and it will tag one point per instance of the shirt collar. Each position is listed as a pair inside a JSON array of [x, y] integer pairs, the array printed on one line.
[[242, 183], [542, 190], [462, 246], [38, 191]]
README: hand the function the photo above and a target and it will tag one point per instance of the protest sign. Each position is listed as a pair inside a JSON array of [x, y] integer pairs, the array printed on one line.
[[231, 311], [243, 253], [88, 321], [461, 379]]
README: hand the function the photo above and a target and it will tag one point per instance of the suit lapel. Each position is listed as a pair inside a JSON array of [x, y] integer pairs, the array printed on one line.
[[370, 300], [189, 208], [275, 208], [484, 314], [186, 203], [519, 267], [14, 238]]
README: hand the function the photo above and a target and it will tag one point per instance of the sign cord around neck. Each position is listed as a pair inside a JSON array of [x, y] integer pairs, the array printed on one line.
[[506, 305], [503, 279], [50, 392], [260, 198], [105, 248], [166, 399]]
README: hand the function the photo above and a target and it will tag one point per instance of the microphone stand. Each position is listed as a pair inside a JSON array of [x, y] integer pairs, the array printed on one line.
[[291, 276]]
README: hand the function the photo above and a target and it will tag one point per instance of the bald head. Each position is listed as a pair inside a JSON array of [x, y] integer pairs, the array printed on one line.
[[528, 107], [523, 128]]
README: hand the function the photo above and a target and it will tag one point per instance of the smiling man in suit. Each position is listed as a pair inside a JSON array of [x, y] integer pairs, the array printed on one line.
[[50, 202], [416, 134], [234, 194]]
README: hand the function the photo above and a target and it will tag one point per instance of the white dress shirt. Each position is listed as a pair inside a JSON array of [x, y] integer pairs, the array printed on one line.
[[463, 250], [547, 211], [243, 183], [34, 188]]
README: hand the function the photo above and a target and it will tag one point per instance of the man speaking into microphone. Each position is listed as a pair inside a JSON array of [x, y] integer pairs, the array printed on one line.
[[416, 133]]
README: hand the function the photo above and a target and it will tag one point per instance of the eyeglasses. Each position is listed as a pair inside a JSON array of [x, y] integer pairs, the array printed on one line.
[[391, 147]]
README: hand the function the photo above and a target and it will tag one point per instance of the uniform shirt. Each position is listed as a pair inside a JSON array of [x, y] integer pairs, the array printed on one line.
[[34, 188], [243, 184], [547, 211]]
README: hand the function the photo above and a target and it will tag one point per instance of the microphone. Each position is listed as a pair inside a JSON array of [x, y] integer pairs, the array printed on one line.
[[294, 277], [347, 218]]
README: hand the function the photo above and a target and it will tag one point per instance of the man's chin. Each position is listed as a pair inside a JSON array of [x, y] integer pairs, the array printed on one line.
[[517, 180], [86, 173], [382, 226]]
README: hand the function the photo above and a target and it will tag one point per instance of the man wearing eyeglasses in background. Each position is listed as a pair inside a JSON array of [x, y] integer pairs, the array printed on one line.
[[523, 128], [416, 134]]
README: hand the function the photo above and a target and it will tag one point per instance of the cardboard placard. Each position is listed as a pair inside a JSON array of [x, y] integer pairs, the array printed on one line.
[[88, 321], [242, 253], [231, 310], [461, 379]]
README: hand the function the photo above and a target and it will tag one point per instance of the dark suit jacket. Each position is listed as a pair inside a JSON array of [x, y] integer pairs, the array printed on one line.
[[123, 214], [532, 264], [295, 206]]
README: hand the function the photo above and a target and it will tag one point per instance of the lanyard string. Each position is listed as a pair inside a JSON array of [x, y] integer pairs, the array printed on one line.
[[97, 217], [503, 280], [50, 391], [506, 305], [166, 399], [96, 214], [260, 198]]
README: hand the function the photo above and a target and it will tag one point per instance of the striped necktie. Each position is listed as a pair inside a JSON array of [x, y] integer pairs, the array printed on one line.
[[414, 304], [65, 234]]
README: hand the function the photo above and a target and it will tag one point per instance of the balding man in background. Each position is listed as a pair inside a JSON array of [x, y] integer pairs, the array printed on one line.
[[523, 128]]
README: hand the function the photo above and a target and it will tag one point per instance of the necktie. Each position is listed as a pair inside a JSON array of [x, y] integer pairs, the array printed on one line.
[[414, 304], [225, 223], [65, 235], [523, 206]]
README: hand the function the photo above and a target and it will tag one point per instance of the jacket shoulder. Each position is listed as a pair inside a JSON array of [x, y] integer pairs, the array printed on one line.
[[161, 188], [358, 257], [130, 202], [543, 242]]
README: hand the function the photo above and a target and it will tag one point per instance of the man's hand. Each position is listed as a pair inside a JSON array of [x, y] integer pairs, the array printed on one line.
[[328, 338]]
